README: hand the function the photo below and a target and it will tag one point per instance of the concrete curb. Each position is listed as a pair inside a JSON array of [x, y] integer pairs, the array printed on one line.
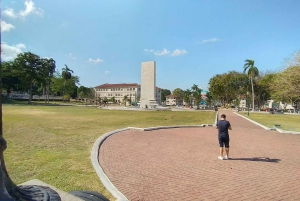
[[267, 128], [101, 174], [168, 127], [286, 132], [95, 155], [264, 127]]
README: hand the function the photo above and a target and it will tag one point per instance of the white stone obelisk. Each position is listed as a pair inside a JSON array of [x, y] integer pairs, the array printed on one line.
[[148, 85]]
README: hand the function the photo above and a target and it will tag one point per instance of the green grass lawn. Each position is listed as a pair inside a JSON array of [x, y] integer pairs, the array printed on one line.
[[286, 122], [53, 143]]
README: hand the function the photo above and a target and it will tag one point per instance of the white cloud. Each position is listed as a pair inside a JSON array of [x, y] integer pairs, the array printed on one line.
[[161, 53], [30, 8], [212, 40], [9, 13], [146, 50], [11, 52], [94, 61], [178, 52], [106, 72], [6, 26], [71, 56]]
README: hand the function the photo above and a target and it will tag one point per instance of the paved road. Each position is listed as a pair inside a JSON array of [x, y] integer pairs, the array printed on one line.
[[182, 164]]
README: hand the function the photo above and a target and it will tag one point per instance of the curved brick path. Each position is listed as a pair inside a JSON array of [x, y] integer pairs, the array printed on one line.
[[182, 164]]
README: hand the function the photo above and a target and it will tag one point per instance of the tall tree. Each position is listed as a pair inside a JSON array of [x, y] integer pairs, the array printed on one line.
[[227, 87], [125, 99], [28, 68], [187, 96], [164, 93], [58, 86], [196, 92], [263, 89], [66, 74], [286, 85], [47, 70], [9, 79], [178, 95], [252, 72], [86, 92]]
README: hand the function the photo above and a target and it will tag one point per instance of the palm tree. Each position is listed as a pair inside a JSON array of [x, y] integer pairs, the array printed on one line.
[[187, 96], [48, 69], [125, 98], [66, 74], [252, 73], [196, 92]]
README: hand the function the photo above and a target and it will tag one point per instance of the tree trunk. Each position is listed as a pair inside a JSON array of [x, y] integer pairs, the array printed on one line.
[[252, 94], [30, 93], [64, 87], [44, 91], [47, 91]]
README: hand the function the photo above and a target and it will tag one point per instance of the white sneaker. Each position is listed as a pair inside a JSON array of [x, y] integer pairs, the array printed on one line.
[[226, 158], [220, 157]]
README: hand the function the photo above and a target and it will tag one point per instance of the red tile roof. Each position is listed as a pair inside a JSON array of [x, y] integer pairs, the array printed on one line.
[[121, 85], [103, 86], [170, 96]]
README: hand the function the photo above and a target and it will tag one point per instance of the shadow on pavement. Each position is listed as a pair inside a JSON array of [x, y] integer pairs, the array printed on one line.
[[259, 159]]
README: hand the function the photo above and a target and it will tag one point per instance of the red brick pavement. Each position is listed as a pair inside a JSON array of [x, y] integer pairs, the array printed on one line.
[[182, 164]]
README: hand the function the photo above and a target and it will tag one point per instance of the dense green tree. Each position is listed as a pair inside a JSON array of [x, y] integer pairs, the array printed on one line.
[[178, 95], [47, 70], [227, 87], [28, 69], [187, 96], [252, 72], [86, 92], [196, 93], [164, 94], [262, 88], [59, 86], [286, 85], [10, 81], [66, 75], [209, 99]]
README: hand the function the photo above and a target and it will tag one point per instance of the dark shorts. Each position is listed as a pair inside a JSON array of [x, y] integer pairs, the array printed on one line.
[[224, 140]]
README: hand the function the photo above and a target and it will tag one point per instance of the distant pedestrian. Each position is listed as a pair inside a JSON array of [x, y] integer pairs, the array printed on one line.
[[223, 125]]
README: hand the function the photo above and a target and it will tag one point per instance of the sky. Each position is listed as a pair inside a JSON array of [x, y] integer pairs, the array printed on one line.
[[191, 41]]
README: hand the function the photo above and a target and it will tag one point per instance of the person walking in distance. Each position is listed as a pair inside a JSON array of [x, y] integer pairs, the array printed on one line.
[[223, 125]]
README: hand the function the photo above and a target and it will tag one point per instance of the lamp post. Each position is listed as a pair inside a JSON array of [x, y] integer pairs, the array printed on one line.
[[248, 103]]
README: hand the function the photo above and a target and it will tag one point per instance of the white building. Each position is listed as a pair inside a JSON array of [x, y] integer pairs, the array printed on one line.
[[118, 91], [170, 100]]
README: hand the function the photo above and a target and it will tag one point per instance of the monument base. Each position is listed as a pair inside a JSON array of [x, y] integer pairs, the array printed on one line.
[[63, 195], [153, 103]]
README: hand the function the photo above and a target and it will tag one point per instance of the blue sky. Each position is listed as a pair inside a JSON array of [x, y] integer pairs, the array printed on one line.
[[191, 41]]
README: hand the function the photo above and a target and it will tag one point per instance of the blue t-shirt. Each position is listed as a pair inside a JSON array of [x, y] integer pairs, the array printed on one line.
[[223, 126]]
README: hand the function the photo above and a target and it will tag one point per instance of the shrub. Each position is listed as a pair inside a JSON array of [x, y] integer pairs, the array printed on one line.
[[66, 98]]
